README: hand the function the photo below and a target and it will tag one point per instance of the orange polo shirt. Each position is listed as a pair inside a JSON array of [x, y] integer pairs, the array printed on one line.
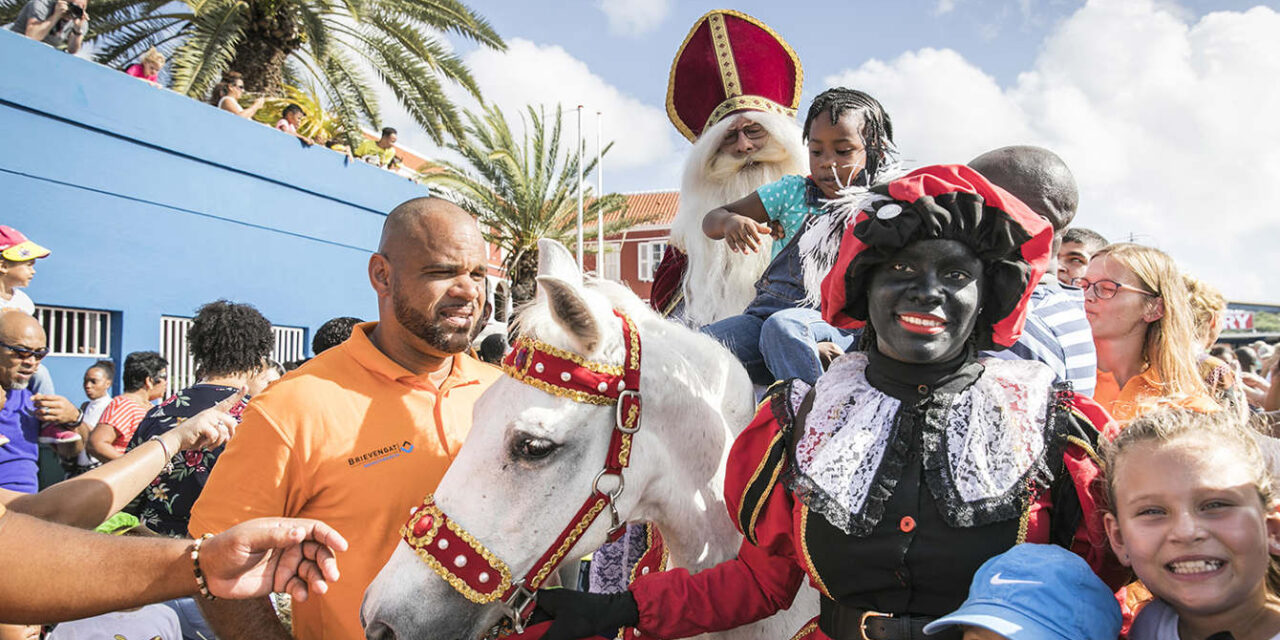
[[350, 438], [1130, 402]]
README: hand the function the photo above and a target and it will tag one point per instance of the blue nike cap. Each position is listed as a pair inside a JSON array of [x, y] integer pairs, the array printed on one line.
[[1037, 592]]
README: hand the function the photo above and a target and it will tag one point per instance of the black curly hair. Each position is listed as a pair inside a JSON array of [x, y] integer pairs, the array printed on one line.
[[333, 333], [227, 338], [877, 128], [140, 365]]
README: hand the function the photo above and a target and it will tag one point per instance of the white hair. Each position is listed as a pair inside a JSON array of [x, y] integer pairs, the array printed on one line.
[[719, 283]]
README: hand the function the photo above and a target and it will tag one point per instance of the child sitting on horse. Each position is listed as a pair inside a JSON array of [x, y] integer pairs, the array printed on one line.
[[777, 337]]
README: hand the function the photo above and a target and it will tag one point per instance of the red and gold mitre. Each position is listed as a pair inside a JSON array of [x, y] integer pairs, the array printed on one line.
[[731, 62]]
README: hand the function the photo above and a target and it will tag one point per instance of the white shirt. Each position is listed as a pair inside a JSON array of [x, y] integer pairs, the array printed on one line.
[[152, 622], [1158, 621], [20, 301]]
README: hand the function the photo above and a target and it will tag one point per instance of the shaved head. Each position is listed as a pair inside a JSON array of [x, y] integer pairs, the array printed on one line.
[[429, 274], [1037, 177], [407, 223], [23, 331]]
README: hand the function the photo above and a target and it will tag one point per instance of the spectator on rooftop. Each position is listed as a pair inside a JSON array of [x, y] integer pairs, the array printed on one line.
[[381, 151], [148, 66], [289, 120], [226, 96], [58, 23]]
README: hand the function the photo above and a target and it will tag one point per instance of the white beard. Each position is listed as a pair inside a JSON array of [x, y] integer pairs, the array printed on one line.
[[719, 283]]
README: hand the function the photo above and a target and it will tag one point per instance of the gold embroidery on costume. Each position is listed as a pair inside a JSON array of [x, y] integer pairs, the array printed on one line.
[[804, 548]]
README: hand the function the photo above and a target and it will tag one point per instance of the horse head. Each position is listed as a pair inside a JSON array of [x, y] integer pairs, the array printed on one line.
[[538, 456]]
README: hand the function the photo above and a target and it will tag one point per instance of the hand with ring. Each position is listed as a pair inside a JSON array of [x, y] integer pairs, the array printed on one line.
[[54, 409], [210, 428]]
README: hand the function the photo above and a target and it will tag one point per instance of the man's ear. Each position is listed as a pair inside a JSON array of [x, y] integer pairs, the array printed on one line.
[[1155, 310], [380, 274], [1116, 538]]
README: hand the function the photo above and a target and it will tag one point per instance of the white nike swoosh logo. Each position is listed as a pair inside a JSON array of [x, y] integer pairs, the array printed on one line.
[[997, 580]]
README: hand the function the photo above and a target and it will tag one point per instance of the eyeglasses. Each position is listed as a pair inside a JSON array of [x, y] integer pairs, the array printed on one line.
[[24, 353], [1107, 289]]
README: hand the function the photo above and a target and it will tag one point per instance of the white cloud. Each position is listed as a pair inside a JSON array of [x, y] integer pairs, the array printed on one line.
[[635, 17], [532, 74], [1168, 124], [944, 7]]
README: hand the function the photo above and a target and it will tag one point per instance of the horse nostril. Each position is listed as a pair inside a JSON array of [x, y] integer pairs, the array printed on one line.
[[379, 631]]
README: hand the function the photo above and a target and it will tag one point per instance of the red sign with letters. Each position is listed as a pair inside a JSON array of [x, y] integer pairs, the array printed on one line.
[[1237, 320]]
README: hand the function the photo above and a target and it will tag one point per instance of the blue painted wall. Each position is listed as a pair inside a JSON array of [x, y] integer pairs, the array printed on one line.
[[154, 203]]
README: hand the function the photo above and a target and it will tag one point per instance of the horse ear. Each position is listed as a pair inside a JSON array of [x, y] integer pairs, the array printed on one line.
[[571, 312], [555, 260]]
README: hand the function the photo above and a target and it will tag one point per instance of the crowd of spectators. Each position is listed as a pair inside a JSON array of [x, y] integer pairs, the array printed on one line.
[[63, 24]]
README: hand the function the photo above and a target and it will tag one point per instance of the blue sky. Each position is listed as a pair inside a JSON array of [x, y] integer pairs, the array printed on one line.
[[1155, 104]]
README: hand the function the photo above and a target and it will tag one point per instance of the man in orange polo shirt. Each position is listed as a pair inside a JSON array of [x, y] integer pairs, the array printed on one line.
[[363, 431]]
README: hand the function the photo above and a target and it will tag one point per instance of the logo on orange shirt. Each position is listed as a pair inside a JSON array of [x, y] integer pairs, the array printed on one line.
[[381, 454]]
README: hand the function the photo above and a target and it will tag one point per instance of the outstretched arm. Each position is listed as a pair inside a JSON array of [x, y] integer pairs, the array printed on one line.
[[88, 499], [42, 583], [739, 223]]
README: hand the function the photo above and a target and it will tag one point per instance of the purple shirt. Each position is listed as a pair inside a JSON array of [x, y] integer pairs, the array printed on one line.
[[18, 456]]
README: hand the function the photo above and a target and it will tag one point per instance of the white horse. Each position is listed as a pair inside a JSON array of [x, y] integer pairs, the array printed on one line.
[[531, 457]]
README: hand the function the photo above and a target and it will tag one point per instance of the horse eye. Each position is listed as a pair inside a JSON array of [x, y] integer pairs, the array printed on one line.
[[530, 448]]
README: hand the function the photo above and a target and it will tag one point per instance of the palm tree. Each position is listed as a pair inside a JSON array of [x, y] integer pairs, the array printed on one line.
[[523, 189], [316, 122], [339, 44]]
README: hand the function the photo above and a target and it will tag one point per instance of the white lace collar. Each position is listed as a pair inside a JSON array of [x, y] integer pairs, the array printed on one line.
[[982, 446]]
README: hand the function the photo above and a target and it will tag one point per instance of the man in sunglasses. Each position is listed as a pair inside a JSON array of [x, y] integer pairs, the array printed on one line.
[[22, 346]]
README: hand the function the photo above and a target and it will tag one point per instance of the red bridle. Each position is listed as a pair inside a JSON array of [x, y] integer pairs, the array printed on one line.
[[463, 561]]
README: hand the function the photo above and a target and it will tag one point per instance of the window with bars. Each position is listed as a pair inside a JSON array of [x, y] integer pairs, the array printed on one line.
[[76, 332], [650, 257], [290, 344]]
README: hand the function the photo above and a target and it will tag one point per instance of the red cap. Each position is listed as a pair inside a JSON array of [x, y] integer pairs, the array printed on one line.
[[17, 248], [731, 62]]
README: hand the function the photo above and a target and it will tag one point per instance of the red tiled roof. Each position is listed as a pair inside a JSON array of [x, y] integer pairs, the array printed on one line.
[[658, 206]]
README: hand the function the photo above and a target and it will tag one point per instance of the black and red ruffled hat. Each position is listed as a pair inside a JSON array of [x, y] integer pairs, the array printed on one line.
[[947, 202]]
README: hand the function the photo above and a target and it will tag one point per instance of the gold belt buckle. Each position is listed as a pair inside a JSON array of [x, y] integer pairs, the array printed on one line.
[[862, 622]]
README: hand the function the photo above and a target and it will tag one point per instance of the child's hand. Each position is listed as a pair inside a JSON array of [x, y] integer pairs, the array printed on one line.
[[778, 232], [743, 233]]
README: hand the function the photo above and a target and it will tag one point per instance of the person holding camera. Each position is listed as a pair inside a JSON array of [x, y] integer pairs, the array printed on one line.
[[57, 23]]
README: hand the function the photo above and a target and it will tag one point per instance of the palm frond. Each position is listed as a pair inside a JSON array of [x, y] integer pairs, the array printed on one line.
[[209, 47]]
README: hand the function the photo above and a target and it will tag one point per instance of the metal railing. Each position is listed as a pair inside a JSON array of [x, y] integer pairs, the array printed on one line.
[[76, 332]]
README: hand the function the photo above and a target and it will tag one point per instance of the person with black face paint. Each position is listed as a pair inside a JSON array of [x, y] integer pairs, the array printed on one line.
[[911, 461]]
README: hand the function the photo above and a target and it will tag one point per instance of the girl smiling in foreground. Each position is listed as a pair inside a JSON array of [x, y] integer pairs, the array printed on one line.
[[1192, 512]]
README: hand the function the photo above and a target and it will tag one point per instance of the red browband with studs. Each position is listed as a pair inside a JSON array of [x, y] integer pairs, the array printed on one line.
[[463, 561]]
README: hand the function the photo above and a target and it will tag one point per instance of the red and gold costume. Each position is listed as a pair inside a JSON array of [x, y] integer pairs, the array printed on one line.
[[888, 484], [729, 62]]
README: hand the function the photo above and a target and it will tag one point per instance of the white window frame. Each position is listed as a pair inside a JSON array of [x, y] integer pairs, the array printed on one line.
[[647, 262], [290, 344], [76, 333]]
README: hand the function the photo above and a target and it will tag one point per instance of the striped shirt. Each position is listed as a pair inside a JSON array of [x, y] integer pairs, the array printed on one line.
[[1057, 333], [123, 414]]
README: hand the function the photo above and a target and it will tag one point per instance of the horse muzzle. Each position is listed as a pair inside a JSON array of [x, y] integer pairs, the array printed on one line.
[[409, 601]]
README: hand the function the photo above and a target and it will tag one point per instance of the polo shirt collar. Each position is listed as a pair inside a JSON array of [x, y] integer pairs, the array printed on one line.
[[464, 370]]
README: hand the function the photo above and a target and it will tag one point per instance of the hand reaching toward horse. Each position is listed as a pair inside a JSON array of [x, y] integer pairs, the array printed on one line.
[[267, 555], [583, 615]]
